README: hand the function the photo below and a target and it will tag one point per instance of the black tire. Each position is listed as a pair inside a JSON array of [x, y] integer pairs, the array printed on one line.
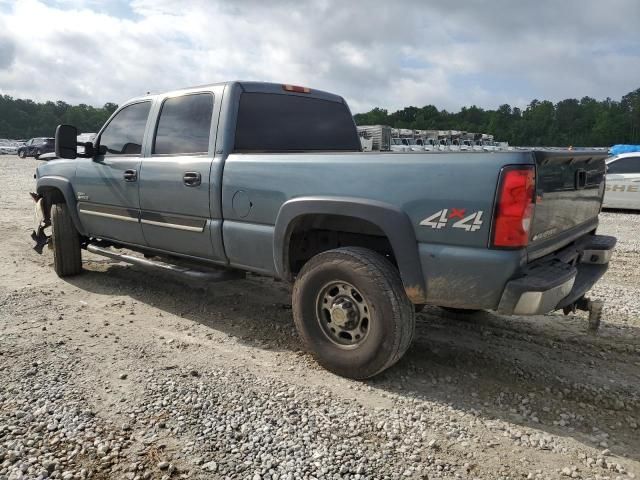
[[67, 258], [36, 154], [22, 153], [390, 327]]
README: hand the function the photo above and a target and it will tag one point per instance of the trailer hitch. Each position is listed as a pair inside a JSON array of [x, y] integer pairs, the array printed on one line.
[[594, 307]]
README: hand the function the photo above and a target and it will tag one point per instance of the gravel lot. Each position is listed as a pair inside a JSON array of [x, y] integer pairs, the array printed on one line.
[[118, 373]]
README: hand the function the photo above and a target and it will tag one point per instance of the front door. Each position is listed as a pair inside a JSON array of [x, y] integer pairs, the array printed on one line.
[[175, 179], [29, 146], [107, 185]]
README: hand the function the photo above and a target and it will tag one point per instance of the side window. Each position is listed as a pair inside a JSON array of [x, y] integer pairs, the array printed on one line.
[[184, 125], [625, 165], [123, 135]]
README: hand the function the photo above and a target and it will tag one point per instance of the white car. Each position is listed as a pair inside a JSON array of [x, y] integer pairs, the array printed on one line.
[[397, 145], [623, 182]]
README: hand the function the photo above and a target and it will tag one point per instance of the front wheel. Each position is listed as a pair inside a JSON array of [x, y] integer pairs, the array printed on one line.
[[67, 257], [22, 154], [351, 312]]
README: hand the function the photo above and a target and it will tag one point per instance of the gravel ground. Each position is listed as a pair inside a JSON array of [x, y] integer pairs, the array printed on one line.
[[118, 373]]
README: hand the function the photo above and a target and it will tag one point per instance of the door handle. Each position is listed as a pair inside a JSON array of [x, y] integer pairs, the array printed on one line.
[[130, 175], [192, 179]]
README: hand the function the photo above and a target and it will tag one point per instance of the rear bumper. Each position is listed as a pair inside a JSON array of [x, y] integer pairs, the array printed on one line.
[[559, 280]]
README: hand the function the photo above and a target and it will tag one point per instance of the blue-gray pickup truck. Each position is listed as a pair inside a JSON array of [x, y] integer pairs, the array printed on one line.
[[212, 181]]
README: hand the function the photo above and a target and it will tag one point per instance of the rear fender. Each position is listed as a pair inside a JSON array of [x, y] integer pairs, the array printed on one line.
[[395, 224]]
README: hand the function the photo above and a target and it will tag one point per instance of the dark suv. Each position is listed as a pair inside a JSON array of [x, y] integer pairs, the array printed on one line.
[[36, 147]]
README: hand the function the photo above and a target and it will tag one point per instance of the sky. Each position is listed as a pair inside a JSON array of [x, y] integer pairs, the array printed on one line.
[[390, 54]]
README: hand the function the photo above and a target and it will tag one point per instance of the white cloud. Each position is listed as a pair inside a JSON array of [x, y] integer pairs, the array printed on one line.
[[375, 53]]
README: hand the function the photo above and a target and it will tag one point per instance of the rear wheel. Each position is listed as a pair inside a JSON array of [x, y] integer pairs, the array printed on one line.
[[351, 311], [37, 154], [67, 258]]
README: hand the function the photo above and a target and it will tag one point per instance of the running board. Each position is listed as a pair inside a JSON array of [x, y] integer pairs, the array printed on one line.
[[208, 275]]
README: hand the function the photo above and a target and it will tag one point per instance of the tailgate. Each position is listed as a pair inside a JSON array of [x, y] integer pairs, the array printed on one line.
[[569, 191]]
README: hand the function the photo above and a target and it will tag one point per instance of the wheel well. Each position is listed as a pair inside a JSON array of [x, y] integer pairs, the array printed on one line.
[[51, 195], [310, 235]]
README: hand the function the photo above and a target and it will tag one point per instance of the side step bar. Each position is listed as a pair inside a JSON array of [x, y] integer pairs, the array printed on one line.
[[205, 275]]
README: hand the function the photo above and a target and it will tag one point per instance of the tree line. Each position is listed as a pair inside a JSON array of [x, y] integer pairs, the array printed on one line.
[[22, 119], [584, 122]]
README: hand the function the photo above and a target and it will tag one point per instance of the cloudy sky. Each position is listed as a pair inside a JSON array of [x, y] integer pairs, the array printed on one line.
[[388, 53]]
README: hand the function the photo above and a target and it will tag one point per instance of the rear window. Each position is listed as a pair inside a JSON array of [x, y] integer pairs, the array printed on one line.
[[286, 123]]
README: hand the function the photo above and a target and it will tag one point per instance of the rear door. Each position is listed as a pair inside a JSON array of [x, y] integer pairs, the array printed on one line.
[[623, 183], [107, 185], [175, 181]]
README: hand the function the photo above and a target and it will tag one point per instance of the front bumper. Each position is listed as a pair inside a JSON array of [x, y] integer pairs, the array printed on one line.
[[558, 280]]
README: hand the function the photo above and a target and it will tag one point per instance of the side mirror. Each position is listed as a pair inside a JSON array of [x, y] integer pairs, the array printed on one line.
[[66, 141]]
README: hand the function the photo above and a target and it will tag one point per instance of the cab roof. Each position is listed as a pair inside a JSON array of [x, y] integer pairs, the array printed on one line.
[[249, 87]]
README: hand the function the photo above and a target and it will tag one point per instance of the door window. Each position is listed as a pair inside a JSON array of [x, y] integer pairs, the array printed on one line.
[[123, 135], [625, 165], [184, 125]]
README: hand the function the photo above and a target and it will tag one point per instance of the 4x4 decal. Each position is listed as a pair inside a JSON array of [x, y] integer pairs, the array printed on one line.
[[440, 219]]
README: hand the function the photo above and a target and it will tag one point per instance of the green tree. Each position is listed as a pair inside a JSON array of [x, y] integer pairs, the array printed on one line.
[[584, 122], [23, 118]]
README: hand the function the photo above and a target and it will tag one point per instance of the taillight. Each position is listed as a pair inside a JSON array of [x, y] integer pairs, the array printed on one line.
[[295, 88], [514, 208]]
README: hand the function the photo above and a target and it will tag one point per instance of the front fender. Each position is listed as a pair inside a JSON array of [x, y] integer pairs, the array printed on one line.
[[395, 224], [64, 186]]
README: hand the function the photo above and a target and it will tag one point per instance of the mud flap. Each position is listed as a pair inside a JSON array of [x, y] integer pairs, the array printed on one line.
[[41, 223]]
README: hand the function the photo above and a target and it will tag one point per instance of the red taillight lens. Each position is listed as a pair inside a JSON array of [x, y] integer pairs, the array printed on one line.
[[514, 209]]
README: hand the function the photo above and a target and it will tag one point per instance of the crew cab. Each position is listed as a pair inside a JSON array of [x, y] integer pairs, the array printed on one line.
[[212, 181]]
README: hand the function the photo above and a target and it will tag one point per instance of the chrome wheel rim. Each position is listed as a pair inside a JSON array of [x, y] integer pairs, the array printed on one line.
[[343, 314]]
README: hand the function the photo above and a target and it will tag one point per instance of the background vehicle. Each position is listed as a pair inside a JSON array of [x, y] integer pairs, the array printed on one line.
[[9, 147], [397, 145], [427, 144], [412, 145], [82, 139], [36, 147], [243, 176], [623, 182], [380, 136]]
